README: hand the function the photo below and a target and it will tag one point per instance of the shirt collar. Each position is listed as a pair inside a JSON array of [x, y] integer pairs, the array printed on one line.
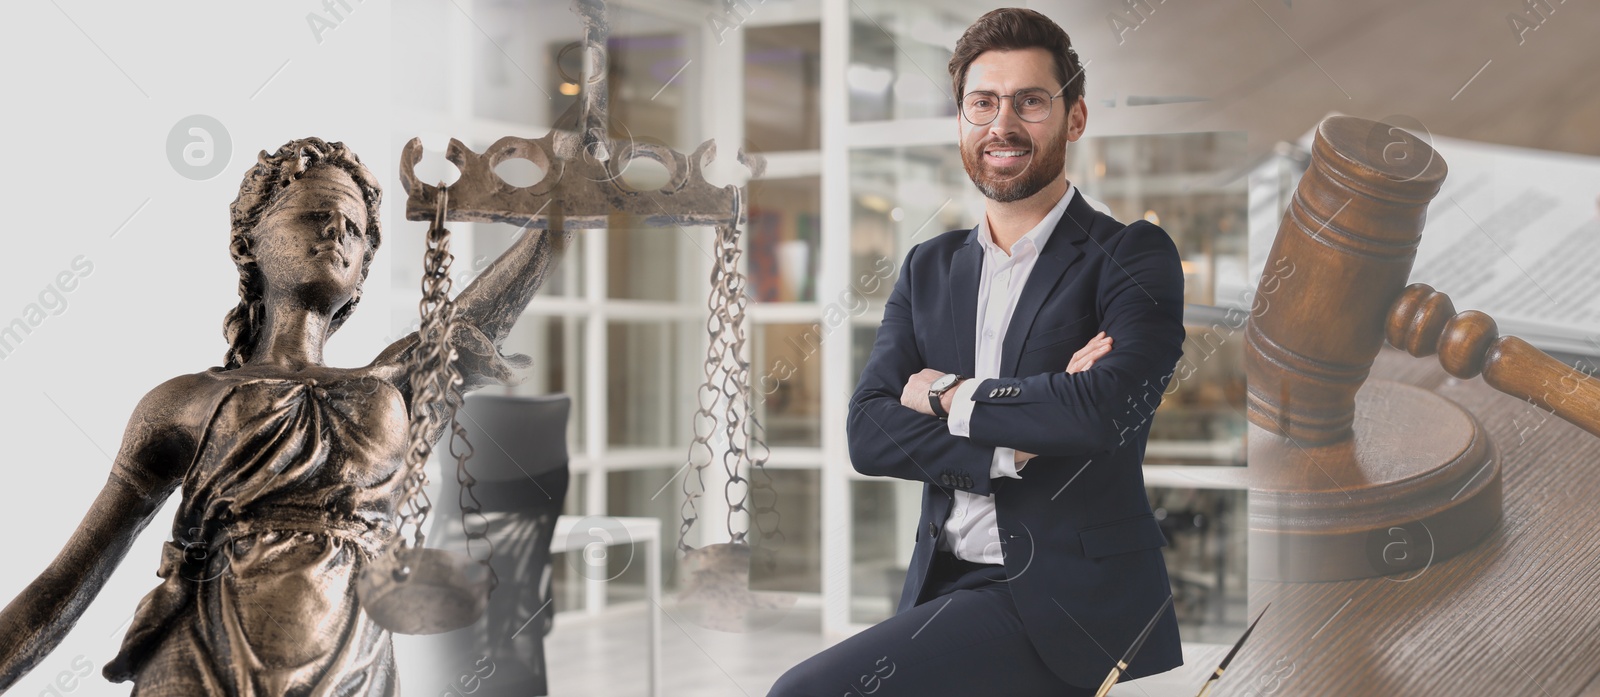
[[1038, 236]]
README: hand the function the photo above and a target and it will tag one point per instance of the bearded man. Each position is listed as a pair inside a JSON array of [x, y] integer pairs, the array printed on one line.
[[995, 364]]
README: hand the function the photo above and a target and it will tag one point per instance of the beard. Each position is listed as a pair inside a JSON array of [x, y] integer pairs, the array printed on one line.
[[1040, 166]]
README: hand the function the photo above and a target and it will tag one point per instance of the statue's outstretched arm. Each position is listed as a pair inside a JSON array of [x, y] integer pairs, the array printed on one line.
[[496, 298], [146, 470]]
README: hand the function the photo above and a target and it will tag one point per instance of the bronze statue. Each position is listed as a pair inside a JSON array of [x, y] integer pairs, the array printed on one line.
[[291, 470]]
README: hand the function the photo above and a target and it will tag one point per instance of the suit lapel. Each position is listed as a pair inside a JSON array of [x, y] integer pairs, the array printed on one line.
[[1062, 249], [966, 267]]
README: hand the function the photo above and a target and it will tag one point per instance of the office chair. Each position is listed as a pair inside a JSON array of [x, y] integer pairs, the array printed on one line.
[[519, 459]]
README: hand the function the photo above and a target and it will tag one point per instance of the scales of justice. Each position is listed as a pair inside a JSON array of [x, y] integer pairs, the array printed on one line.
[[298, 546], [413, 589]]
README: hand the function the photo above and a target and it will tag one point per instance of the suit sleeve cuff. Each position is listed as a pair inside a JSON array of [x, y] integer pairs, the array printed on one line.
[[960, 421]]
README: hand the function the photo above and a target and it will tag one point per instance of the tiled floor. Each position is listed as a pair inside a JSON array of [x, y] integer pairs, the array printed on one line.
[[605, 656]]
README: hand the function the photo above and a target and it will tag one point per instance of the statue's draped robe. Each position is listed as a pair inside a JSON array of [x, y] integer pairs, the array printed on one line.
[[294, 487]]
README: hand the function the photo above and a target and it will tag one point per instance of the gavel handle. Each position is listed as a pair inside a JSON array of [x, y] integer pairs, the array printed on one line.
[[1423, 321]]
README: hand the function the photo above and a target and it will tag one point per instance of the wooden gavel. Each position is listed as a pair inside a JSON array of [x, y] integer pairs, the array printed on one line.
[[1326, 484], [1424, 321], [1346, 245]]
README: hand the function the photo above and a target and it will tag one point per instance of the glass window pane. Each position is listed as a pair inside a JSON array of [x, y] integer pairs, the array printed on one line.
[[1191, 184], [788, 391], [651, 382], [782, 77], [898, 56], [652, 262], [861, 337], [641, 61], [648, 98], [566, 579], [900, 197], [576, 493], [1201, 420], [884, 515], [564, 278], [652, 492], [556, 346], [1205, 554], [784, 234], [796, 554]]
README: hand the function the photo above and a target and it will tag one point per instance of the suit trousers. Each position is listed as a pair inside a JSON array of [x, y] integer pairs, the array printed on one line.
[[964, 638]]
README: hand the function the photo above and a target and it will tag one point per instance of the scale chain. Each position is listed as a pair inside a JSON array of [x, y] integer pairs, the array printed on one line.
[[727, 307]]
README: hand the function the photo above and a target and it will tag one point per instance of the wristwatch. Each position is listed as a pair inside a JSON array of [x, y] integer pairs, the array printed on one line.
[[937, 390]]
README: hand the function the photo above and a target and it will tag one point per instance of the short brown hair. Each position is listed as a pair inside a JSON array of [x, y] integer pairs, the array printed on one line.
[[1010, 28]]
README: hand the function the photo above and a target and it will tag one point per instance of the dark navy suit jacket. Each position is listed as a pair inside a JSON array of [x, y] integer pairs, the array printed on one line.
[[1082, 549]]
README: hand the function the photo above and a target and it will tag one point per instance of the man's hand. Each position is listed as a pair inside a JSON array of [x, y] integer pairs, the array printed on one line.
[[915, 394], [1081, 361], [1086, 356]]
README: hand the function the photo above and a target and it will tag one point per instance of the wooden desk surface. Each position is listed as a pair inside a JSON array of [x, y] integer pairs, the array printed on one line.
[[1515, 615]]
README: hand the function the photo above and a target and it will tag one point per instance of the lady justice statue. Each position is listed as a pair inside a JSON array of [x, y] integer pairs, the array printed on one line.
[[291, 471]]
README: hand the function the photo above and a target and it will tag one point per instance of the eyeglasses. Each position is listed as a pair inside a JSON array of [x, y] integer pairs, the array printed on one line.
[[1031, 105]]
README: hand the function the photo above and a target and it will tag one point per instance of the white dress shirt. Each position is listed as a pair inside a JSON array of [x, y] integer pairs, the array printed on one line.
[[971, 531]]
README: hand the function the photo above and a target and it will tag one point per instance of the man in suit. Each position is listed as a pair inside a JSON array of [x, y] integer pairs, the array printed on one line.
[[1037, 558]]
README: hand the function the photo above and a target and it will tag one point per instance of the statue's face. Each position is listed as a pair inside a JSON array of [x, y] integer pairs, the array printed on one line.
[[311, 240]]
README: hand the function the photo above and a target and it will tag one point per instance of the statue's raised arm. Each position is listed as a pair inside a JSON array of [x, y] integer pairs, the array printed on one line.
[[488, 308]]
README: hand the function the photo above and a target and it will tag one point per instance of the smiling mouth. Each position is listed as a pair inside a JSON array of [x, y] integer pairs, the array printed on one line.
[[1006, 155]]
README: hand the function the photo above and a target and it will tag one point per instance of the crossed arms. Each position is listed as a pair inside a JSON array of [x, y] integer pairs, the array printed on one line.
[[1055, 413]]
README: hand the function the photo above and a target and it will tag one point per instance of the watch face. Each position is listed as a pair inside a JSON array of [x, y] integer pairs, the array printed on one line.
[[944, 382]]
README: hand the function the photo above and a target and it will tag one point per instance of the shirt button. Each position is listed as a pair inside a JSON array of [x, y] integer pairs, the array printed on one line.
[[958, 514], [989, 334]]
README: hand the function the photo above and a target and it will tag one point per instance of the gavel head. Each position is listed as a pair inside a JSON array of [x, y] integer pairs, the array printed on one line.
[[1342, 256]]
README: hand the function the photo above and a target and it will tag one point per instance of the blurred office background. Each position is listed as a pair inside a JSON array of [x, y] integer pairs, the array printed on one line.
[[849, 103], [1189, 107]]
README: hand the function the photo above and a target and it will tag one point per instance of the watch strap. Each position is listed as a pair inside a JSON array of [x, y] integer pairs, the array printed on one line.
[[936, 399]]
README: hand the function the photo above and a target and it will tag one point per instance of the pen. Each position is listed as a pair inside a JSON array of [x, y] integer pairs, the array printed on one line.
[[1116, 671], [1217, 674]]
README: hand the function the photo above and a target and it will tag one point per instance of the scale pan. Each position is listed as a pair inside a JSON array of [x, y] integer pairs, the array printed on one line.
[[716, 593], [444, 592]]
